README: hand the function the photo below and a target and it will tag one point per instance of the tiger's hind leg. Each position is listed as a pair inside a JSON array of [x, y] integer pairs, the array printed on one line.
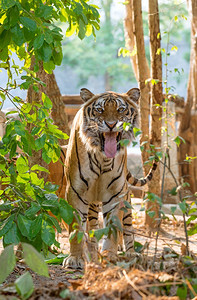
[[92, 225], [110, 243], [128, 230]]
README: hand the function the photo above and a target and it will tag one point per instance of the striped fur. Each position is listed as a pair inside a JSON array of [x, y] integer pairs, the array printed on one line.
[[96, 167], [142, 181]]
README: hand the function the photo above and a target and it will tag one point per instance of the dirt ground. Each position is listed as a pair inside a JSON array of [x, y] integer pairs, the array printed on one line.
[[147, 276]]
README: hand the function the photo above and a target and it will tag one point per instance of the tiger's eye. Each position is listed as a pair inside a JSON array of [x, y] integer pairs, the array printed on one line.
[[99, 110], [121, 109]]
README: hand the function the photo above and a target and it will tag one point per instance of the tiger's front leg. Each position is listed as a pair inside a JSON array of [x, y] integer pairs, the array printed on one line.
[[114, 209], [110, 244], [76, 258]]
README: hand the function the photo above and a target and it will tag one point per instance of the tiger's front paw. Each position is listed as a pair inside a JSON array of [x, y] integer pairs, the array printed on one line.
[[131, 254], [110, 256], [74, 262]]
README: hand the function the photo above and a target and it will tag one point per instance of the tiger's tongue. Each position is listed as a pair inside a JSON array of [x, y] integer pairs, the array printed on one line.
[[110, 146]]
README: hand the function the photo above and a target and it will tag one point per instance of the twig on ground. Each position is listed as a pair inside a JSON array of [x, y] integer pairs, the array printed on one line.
[[136, 288]]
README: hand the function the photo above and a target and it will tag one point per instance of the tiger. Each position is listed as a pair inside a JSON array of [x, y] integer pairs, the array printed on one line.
[[96, 168]]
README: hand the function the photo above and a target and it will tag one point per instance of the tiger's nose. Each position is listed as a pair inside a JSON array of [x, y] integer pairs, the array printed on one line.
[[111, 125]]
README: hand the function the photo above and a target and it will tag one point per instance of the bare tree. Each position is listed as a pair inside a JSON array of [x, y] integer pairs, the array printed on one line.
[[143, 75], [188, 123], [134, 38], [157, 98]]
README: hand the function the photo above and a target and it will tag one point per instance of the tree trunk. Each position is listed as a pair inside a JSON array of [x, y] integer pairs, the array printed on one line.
[[108, 39], [108, 80], [156, 112], [129, 35], [143, 74], [57, 113], [187, 130]]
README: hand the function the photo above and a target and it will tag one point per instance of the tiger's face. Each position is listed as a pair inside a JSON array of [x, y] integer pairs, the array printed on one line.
[[104, 116]]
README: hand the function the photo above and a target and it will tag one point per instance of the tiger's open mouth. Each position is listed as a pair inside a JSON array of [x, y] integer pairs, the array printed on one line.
[[110, 143]]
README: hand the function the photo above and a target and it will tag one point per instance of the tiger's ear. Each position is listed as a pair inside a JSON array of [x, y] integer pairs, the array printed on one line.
[[134, 94], [86, 94]]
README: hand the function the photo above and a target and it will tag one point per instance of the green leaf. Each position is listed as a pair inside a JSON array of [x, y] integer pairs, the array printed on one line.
[[2, 95], [127, 204], [116, 222], [173, 209], [72, 235], [45, 52], [6, 4], [183, 206], [178, 140], [175, 18], [138, 246], [80, 235], [66, 211], [50, 201], [50, 187], [49, 66], [124, 143], [39, 168], [7, 262], [46, 101], [13, 149], [35, 130], [71, 30], [136, 131], [192, 230], [5, 207], [35, 207], [14, 15], [57, 259], [82, 29], [6, 225], [24, 285], [40, 142], [47, 233], [35, 227], [24, 225], [38, 42], [26, 108], [151, 213], [27, 146], [66, 294], [35, 260], [182, 292], [28, 23], [173, 191], [99, 233], [45, 156], [18, 35], [22, 165], [55, 222], [174, 48], [12, 236]]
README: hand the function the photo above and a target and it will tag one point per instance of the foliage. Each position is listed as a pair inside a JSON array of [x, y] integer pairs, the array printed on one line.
[[29, 28], [24, 284], [26, 198], [31, 256]]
